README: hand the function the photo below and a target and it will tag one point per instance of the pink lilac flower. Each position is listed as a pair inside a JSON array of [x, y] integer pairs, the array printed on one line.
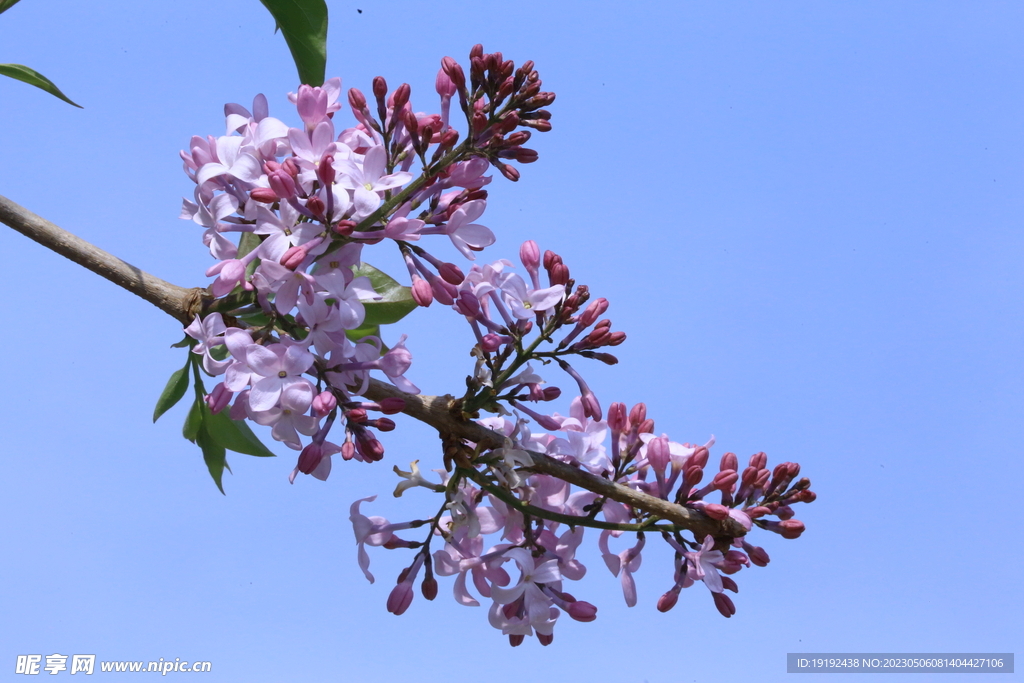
[[466, 235], [279, 370]]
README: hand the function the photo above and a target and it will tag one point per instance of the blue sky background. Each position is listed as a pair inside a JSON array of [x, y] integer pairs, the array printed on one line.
[[807, 217]]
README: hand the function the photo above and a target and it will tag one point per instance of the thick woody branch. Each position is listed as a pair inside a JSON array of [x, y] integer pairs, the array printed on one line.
[[178, 302], [183, 304]]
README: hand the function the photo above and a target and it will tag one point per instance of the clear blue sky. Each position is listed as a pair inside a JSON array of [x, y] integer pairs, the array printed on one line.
[[807, 217]]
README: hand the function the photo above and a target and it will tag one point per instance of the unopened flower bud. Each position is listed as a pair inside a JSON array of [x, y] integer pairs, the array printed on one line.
[[454, 71], [383, 424], [700, 457], [490, 343], [400, 598], [344, 227], [310, 458], [724, 604], [646, 427], [429, 587], [218, 399], [421, 292], [380, 87], [582, 611], [594, 311], [617, 417], [668, 600], [551, 393], [758, 460], [544, 638], [515, 640], [729, 462], [451, 273], [716, 511], [293, 257], [724, 480], [757, 555], [315, 205], [325, 170], [264, 195], [729, 584], [356, 415], [324, 403], [401, 96], [392, 405], [356, 99], [529, 254]]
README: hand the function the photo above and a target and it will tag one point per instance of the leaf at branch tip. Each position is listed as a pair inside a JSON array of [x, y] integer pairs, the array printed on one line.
[[6, 5], [20, 72], [193, 420], [214, 455], [234, 435], [395, 303], [176, 387], [304, 26]]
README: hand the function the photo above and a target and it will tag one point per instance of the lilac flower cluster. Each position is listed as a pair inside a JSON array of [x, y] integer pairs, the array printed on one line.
[[290, 312], [538, 521], [292, 329]]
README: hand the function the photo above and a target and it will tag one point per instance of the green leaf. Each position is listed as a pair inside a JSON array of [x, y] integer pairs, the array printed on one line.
[[193, 420], [213, 454], [176, 387], [304, 25], [187, 341], [234, 435], [19, 72], [6, 5], [395, 303], [363, 331]]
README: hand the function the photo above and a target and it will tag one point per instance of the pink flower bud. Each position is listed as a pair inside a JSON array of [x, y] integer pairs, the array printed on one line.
[[443, 84], [421, 292], [293, 257], [392, 405], [730, 585], [344, 227], [324, 403], [325, 170], [668, 600], [310, 458], [369, 447], [638, 413], [545, 638], [218, 399], [724, 604], [790, 528], [384, 424], [724, 481], [356, 415], [617, 417], [515, 640], [558, 274], [401, 596], [356, 99], [380, 88], [758, 460], [282, 184], [757, 555], [551, 393], [490, 343], [315, 205], [716, 511], [454, 71], [755, 512], [348, 450], [658, 454], [594, 311], [529, 254], [264, 195], [429, 587], [700, 457], [646, 427], [467, 304], [401, 96], [582, 611], [451, 273], [729, 462]]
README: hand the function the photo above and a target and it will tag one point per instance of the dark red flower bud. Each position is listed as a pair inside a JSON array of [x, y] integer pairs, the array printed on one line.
[[392, 405]]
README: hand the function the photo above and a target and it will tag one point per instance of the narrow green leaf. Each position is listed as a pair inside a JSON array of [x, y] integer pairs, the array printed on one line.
[[396, 300], [213, 454], [234, 435], [304, 25], [20, 72], [6, 5], [187, 341], [363, 330], [176, 387], [193, 420]]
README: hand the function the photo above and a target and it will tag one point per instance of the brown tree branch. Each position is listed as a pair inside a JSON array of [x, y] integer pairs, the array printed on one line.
[[184, 304]]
